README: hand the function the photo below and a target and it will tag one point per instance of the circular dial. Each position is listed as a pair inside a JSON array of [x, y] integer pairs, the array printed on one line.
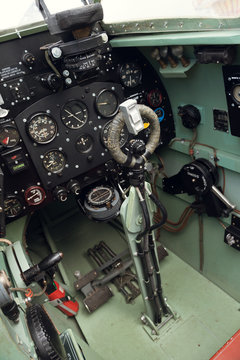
[[154, 98], [9, 136], [74, 114], [34, 195], [236, 93], [107, 103], [84, 143], [131, 74], [54, 161], [12, 206], [123, 135], [42, 128], [100, 195]]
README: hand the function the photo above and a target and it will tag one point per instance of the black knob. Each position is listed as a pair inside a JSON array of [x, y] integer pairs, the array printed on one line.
[[190, 116], [137, 147], [28, 59], [51, 81], [74, 186], [60, 193]]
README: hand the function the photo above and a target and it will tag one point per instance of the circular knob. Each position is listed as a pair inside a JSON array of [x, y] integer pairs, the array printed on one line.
[[51, 81], [74, 187], [60, 193], [137, 147]]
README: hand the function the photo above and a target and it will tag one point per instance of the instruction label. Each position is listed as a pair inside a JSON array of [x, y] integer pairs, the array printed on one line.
[[11, 72]]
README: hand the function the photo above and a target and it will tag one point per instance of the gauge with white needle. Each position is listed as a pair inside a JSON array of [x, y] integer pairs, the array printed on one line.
[[54, 161], [131, 74], [74, 114]]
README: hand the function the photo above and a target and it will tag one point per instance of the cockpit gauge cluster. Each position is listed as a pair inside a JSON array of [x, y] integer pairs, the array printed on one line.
[[54, 127], [62, 132]]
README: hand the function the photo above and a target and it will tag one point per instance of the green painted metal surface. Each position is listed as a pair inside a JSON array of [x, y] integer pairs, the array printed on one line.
[[191, 38], [208, 316]]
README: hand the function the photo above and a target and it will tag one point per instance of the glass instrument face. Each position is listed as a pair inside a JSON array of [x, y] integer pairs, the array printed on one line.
[[154, 98], [236, 93], [131, 74], [74, 114], [54, 161], [84, 143], [12, 207], [42, 128], [107, 103], [9, 136]]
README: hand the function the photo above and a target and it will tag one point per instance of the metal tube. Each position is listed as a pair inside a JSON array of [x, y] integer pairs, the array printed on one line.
[[222, 198]]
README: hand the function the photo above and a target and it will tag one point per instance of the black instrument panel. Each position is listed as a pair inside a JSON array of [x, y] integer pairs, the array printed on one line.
[[69, 139], [53, 128]]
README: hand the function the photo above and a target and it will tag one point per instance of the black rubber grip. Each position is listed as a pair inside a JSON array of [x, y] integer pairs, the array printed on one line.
[[79, 17]]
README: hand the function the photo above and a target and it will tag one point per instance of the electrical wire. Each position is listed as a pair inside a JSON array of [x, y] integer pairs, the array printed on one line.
[[192, 144], [48, 60], [26, 290], [201, 244], [222, 224]]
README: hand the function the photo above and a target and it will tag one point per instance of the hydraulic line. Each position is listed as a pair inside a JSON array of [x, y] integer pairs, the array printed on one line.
[[147, 259], [162, 221], [158, 276]]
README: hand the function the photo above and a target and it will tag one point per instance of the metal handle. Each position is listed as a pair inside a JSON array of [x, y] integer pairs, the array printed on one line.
[[222, 198]]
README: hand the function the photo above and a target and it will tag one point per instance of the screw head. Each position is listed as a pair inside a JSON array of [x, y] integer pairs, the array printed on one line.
[[56, 52]]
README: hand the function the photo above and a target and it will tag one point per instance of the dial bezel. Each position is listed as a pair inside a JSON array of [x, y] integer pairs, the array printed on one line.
[[59, 171], [8, 126], [13, 197], [123, 69], [83, 105], [97, 106], [32, 118]]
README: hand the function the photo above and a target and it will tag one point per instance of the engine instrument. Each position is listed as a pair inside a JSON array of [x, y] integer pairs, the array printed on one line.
[[131, 74], [12, 206], [154, 98], [54, 161], [107, 103], [9, 136]]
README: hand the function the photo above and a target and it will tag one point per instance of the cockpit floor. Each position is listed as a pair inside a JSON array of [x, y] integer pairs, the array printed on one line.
[[208, 317]]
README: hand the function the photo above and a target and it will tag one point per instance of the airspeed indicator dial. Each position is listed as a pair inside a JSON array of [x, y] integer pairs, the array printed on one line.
[[42, 128]]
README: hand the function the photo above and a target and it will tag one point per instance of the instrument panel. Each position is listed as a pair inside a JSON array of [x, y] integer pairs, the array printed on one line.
[[53, 127], [62, 132]]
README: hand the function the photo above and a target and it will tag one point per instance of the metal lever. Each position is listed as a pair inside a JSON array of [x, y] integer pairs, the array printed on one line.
[[223, 198]]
